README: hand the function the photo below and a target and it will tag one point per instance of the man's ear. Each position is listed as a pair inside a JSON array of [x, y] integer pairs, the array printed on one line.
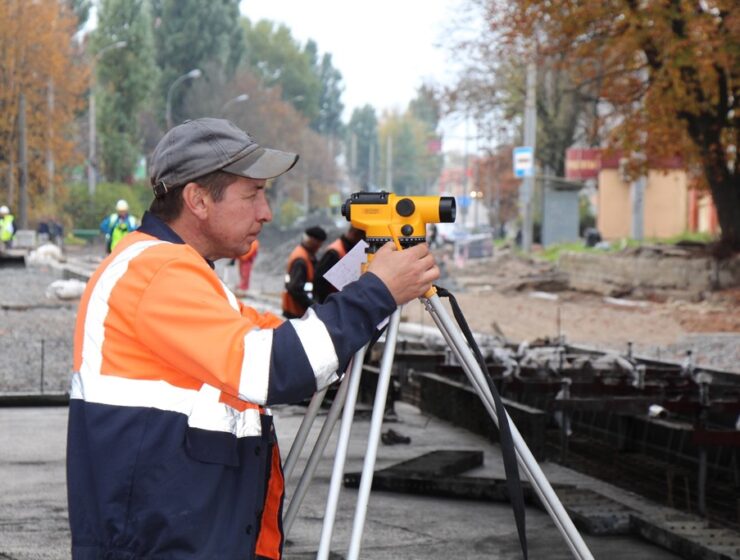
[[195, 198]]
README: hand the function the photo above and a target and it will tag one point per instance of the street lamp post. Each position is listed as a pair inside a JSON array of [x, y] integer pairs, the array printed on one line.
[[91, 164], [195, 73], [238, 99]]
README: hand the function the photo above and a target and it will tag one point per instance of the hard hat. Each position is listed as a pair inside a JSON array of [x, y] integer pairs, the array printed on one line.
[[122, 206], [4, 210]]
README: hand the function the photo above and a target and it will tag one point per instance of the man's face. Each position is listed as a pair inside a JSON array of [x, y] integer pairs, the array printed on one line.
[[236, 220]]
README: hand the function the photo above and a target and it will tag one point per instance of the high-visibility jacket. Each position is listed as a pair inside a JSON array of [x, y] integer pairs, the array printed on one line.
[[7, 228], [290, 305], [171, 451], [114, 227]]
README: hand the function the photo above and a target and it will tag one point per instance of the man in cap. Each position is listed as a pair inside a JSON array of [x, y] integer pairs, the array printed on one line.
[[7, 226], [299, 273], [118, 224], [171, 451]]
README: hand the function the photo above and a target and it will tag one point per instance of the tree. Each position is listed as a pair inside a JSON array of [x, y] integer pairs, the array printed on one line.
[[277, 58], [81, 9], [362, 146], [668, 70], [39, 60], [491, 90], [329, 120], [426, 106], [191, 34], [414, 166], [125, 81]]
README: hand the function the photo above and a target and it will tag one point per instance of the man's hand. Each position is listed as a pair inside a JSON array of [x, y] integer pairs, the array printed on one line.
[[407, 274]]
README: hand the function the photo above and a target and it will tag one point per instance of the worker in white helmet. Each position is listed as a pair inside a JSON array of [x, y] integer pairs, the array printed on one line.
[[117, 225], [7, 226]]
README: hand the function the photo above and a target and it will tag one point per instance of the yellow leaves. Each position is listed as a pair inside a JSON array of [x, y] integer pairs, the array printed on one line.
[[39, 58]]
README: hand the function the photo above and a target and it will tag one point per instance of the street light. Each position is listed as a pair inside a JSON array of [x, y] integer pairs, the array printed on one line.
[[238, 99], [91, 117], [195, 73]]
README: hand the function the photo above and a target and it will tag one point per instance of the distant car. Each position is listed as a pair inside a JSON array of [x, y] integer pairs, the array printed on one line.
[[449, 233]]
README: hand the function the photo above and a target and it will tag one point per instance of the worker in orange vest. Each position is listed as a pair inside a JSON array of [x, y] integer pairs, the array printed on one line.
[[333, 254], [245, 265], [299, 273]]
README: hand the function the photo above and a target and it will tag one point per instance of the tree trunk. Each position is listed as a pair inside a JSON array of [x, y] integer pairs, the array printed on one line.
[[726, 196]]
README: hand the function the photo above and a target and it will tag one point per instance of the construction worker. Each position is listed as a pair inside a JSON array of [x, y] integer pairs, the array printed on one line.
[[299, 273], [7, 226], [333, 254], [170, 451], [117, 225], [246, 262]]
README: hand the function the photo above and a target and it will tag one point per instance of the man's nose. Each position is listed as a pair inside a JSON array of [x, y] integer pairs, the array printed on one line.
[[264, 213]]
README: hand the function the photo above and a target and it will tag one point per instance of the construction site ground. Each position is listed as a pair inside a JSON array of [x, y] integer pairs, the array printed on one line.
[[506, 295], [524, 299]]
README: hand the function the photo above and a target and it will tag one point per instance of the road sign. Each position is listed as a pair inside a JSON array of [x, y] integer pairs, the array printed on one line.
[[523, 161]]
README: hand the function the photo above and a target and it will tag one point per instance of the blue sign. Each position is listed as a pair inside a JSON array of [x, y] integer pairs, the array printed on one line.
[[523, 161]]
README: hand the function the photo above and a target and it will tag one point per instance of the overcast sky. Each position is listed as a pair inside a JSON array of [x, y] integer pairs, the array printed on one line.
[[385, 49]]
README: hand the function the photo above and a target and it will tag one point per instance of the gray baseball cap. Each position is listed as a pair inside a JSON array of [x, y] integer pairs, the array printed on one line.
[[194, 148]]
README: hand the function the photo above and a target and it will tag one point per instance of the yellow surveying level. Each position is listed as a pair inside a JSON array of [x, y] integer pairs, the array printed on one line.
[[384, 216]]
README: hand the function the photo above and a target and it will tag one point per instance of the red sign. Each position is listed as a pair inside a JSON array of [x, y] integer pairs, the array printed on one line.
[[582, 163]]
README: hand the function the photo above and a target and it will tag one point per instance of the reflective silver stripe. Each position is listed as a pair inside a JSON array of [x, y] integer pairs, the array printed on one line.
[[318, 347], [233, 302], [255, 375], [202, 407], [97, 309]]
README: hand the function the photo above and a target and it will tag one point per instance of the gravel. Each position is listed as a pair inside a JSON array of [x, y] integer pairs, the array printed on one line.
[[36, 332]]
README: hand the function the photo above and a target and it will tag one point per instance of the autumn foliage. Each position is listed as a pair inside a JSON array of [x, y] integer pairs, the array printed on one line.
[[667, 71], [39, 60]]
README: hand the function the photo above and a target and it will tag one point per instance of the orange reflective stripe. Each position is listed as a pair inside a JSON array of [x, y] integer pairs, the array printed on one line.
[[270, 539]]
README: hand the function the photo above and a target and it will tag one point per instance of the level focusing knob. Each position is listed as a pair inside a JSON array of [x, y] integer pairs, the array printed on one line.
[[405, 207]]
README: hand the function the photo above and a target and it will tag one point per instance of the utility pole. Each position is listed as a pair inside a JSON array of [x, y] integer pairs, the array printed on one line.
[[389, 165], [371, 165], [530, 132], [637, 193], [50, 141], [23, 163]]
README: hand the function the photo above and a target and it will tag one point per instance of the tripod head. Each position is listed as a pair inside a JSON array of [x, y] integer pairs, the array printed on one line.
[[384, 216]]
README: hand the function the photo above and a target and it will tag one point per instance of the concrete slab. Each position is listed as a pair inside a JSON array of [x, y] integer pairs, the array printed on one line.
[[33, 518]]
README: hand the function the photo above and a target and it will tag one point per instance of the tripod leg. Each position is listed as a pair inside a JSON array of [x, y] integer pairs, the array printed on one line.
[[376, 422], [318, 449], [525, 458], [340, 458], [302, 434]]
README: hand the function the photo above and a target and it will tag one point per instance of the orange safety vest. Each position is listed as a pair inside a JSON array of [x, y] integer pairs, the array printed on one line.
[[289, 303], [337, 246]]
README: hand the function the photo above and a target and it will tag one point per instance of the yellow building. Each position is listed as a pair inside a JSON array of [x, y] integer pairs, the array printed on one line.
[[669, 206]]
